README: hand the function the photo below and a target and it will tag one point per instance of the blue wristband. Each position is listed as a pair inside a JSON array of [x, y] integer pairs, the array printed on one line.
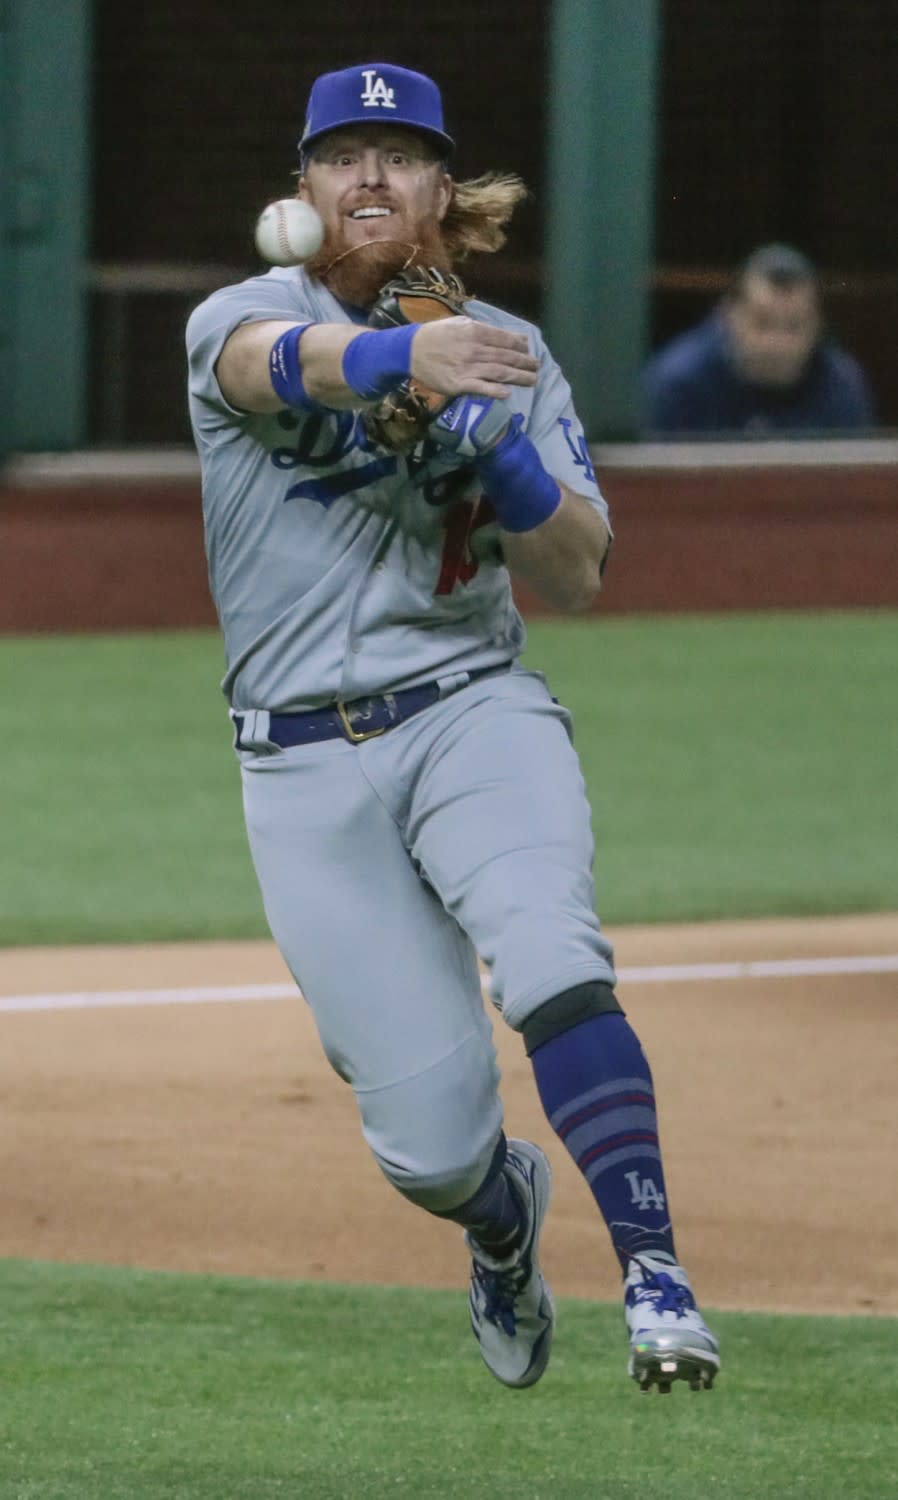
[[285, 371], [522, 492], [376, 362]]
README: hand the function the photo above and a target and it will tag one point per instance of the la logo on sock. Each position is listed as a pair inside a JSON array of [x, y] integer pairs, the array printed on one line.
[[645, 1193]]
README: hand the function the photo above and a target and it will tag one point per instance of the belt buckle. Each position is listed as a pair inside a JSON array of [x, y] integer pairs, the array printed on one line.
[[356, 736]]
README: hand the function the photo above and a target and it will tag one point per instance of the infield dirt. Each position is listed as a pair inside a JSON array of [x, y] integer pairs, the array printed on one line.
[[213, 1137]]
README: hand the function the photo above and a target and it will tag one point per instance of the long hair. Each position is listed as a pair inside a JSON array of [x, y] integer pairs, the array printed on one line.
[[478, 212], [475, 220]]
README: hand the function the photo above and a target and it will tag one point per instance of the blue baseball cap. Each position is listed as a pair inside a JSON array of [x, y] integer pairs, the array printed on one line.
[[375, 94]]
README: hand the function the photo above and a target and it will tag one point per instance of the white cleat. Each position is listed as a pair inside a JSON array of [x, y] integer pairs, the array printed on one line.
[[668, 1337], [512, 1312]]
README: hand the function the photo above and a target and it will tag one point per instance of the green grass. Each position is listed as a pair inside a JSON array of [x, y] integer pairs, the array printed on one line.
[[118, 1385], [737, 765]]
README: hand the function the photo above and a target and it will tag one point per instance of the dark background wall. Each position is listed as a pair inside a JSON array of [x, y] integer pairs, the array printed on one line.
[[765, 535], [777, 119]]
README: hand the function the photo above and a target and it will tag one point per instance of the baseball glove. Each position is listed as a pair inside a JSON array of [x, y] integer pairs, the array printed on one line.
[[417, 295]]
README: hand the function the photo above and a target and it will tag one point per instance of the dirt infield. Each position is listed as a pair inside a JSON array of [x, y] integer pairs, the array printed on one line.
[[212, 1136]]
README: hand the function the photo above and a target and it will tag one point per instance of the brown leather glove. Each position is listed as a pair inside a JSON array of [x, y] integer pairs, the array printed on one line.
[[417, 295]]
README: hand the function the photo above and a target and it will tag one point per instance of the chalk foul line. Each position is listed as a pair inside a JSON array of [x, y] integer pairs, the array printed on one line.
[[772, 968]]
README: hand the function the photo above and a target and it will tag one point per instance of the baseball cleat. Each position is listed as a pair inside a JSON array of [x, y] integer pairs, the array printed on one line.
[[512, 1312], [668, 1337]]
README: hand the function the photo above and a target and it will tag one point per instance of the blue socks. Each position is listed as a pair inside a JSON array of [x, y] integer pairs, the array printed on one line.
[[493, 1217], [596, 1089]]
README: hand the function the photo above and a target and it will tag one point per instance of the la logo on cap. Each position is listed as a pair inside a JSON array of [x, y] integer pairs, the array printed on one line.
[[375, 94]]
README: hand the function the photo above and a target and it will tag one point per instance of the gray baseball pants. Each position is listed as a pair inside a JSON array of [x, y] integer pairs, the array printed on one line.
[[386, 867]]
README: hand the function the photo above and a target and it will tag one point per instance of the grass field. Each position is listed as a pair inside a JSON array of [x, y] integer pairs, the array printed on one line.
[[133, 1386], [738, 766]]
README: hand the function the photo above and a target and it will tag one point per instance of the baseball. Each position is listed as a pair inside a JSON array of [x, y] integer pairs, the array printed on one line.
[[288, 232]]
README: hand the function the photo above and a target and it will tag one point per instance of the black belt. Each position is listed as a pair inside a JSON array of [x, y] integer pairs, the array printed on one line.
[[358, 720]]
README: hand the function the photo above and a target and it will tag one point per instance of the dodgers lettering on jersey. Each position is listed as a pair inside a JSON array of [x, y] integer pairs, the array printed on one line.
[[339, 569]]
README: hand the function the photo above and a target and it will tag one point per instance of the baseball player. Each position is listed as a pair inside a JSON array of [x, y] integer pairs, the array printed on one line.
[[411, 793]]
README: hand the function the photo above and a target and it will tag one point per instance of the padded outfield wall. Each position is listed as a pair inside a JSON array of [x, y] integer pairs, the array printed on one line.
[[107, 541]]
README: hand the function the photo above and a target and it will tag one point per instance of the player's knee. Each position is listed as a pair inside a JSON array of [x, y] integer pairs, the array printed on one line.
[[543, 955], [434, 1134], [439, 1186], [565, 1010]]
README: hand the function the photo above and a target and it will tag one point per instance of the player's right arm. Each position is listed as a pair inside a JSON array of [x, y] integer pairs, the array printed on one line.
[[454, 356]]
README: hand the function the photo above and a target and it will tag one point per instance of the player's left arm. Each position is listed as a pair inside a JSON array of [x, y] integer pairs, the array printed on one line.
[[562, 557], [537, 473]]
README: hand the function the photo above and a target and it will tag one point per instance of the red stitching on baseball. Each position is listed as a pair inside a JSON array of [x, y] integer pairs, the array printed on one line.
[[283, 238]]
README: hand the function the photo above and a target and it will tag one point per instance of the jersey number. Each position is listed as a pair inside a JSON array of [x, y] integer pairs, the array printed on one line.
[[458, 563]]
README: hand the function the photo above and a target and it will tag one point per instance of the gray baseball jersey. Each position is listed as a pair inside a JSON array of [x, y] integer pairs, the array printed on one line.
[[340, 570]]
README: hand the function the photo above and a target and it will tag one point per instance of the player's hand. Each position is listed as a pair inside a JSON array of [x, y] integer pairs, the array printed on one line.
[[471, 426], [459, 356]]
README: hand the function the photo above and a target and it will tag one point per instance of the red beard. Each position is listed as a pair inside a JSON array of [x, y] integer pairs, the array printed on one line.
[[355, 274]]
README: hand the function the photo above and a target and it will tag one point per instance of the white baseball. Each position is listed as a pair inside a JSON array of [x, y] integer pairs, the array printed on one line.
[[288, 232]]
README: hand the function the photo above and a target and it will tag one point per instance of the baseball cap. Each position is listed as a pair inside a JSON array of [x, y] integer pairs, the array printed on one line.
[[375, 94]]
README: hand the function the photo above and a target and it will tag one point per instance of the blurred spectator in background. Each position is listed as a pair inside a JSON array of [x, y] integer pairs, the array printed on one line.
[[760, 363]]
